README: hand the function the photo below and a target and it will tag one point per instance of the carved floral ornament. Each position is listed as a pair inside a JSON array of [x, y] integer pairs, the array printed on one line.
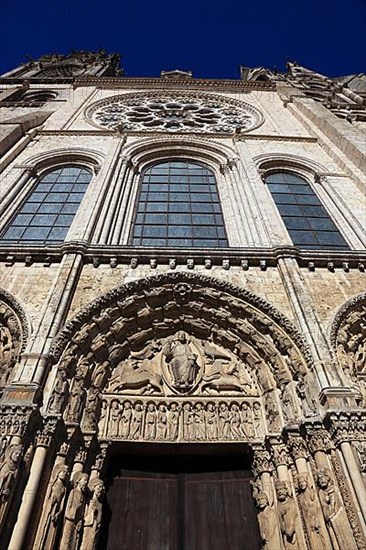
[[168, 112], [183, 351]]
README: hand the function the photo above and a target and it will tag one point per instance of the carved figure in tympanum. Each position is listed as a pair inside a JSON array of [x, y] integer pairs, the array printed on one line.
[[288, 517], [136, 421], [52, 512], [311, 511], [334, 512], [188, 428], [182, 362], [199, 422], [224, 421], [126, 417], [211, 422], [114, 419], [258, 419], [161, 422], [173, 421], [150, 421], [73, 519], [93, 516]]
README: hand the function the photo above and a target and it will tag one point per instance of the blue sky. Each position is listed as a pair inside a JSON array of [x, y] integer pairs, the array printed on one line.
[[210, 37]]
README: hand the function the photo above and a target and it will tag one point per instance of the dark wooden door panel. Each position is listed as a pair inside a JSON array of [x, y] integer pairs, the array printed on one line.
[[219, 514], [143, 514], [178, 506]]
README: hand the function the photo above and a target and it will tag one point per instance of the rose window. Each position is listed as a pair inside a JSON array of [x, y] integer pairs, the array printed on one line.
[[168, 113]]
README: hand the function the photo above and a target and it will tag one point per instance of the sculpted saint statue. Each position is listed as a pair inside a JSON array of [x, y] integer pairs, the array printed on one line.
[[288, 517], [93, 516], [310, 508], [73, 521], [182, 361], [8, 469], [334, 512], [53, 506], [58, 392], [267, 520]]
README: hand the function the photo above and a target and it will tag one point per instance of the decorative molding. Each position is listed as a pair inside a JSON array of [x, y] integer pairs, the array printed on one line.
[[354, 303], [175, 278]]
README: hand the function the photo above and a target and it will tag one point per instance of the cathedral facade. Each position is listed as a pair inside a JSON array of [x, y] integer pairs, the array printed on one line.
[[182, 309]]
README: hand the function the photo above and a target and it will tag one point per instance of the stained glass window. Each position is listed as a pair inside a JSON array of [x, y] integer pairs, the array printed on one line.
[[48, 211], [178, 206], [308, 223]]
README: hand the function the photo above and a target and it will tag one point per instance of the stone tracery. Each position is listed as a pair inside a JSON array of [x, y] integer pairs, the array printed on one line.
[[185, 112]]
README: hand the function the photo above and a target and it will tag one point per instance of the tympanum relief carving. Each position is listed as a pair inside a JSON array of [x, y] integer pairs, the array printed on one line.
[[10, 342], [350, 341], [182, 365]]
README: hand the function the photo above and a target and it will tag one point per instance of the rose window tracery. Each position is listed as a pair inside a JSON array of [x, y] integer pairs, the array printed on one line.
[[170, 113]]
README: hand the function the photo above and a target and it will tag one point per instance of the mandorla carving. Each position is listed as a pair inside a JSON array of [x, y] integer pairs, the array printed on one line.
[[169, 420]]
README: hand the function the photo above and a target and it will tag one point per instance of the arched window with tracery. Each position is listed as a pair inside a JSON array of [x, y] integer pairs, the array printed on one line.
[[179, 206], [48, 211], [307, 221]]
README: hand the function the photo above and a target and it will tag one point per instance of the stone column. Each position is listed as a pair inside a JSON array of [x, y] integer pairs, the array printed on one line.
[[43, 441], [343, 429], [262, 467]]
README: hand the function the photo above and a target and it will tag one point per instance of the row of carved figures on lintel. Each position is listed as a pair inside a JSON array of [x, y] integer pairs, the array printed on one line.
[[186, 421], [73, 519], [318, 512]]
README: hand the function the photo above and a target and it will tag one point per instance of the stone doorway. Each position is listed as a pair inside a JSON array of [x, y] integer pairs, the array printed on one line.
[[179, 502]]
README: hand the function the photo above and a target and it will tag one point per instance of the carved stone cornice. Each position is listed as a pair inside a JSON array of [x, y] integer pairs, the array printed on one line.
[[123, 255]]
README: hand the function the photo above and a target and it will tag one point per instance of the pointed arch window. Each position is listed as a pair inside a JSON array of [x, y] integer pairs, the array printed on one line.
[[178, 206], [47, 213], [307, 222]]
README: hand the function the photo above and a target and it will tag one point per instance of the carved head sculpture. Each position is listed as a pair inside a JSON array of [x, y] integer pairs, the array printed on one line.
[[282, 491], [127, 405], [13, 454], [97, 487], [60, 472], [151, 407], [324, 478], [80, 480], [181, 336], [303, 482], [261, 500]]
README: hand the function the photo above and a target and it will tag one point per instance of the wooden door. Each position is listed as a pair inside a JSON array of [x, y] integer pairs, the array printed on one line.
[[174, 503]]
